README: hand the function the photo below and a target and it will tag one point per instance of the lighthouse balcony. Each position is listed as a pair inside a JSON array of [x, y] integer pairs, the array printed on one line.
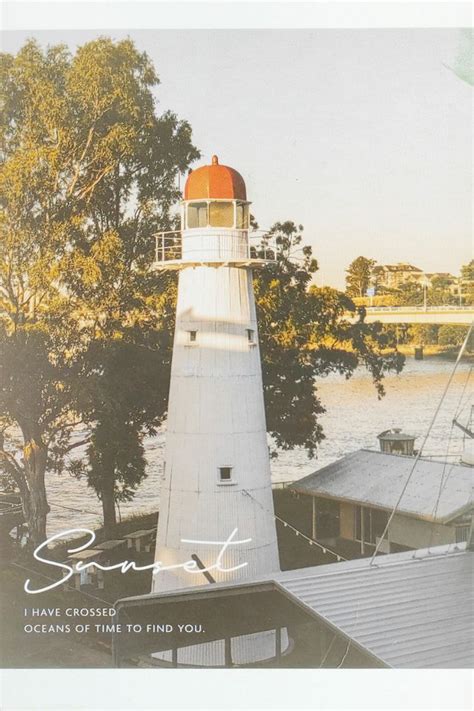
[[212, 247]]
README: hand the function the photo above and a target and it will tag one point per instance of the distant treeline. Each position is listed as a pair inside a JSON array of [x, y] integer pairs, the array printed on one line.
[[429, 334]]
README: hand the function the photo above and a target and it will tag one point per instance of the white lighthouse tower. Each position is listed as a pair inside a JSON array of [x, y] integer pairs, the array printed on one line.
[[217, 468]]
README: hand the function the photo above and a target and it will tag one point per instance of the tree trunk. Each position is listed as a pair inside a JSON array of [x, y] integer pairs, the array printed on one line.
[[107, 495], [34, 501]]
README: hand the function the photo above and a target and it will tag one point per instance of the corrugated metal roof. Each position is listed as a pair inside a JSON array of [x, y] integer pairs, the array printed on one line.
[[410, 610], [375, 478]]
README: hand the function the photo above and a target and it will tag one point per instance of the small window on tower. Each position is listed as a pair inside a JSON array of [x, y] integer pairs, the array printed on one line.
[[225, 475], [251, 336], [192, 336]]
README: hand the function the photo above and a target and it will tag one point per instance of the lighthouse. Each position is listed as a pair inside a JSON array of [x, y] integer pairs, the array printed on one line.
[[216, 482]]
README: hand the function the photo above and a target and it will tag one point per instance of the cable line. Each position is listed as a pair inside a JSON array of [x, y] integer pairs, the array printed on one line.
[[418, 455], [298, 533]]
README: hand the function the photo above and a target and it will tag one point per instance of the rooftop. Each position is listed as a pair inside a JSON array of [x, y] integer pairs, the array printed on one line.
[[215, 181], [400, 267], [373, 478], [410, 610]]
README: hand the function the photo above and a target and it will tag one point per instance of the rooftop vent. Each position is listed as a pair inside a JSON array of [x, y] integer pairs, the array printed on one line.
[[394, 441]]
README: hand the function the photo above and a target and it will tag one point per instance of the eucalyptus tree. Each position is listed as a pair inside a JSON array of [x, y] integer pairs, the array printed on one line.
[[359, 276], [88, 174]]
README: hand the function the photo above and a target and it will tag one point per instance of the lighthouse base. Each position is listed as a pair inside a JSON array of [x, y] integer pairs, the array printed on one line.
[[245, 650]]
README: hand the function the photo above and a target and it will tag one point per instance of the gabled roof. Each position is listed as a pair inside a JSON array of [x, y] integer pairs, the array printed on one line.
[[376, 479], [400, 267]]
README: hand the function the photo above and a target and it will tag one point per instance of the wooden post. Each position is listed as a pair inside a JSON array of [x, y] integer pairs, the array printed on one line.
[[227, 652], [313, 528], [174, 657], [362, 530], [278, 644]]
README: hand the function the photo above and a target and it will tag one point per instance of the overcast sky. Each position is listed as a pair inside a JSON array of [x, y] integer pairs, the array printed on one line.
[[363, 136]]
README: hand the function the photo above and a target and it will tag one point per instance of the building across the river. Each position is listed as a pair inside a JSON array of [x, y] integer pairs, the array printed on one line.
[[353, 497], [392, 276]]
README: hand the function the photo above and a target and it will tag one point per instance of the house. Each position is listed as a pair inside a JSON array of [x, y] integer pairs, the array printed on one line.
[[352, 500], [391, 276]]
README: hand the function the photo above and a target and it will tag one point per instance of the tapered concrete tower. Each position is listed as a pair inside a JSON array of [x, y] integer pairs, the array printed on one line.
[[217, 468]]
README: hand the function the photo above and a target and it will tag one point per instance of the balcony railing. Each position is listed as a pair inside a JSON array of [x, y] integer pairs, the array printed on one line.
[[421, 308], [240, 247]]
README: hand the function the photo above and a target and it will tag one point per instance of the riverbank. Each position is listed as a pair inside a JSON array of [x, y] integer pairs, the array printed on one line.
[[449, 353]]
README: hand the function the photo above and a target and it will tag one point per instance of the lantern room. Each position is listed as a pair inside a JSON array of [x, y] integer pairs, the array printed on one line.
[[215, 225], [215, 197]]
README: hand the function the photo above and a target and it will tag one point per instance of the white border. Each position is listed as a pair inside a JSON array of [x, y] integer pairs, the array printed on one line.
[[103, 689], [226, 14], [361, 689]]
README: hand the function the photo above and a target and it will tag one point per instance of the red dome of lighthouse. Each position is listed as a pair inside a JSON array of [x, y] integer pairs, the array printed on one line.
[[215, 182]]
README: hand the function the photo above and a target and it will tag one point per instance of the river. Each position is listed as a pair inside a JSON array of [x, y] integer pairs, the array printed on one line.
[[354, 416]]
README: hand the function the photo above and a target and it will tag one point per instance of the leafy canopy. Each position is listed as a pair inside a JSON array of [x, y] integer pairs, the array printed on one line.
[[305, 335]]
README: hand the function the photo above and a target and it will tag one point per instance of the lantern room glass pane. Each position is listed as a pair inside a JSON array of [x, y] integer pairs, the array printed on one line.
[[197, 215], [242, 216], [221, 214]]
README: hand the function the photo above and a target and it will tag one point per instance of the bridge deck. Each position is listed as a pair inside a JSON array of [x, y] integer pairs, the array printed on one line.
[[462, 315]]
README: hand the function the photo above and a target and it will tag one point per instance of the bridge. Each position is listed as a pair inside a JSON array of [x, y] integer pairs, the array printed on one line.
[[459, 315]]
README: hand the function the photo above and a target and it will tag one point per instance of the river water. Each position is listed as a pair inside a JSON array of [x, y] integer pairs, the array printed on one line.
[[354, 416]]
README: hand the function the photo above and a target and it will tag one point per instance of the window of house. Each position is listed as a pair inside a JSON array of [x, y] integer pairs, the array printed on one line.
[[328, 518], [462, 533], [369, 524], [221, 214], [225, 475], [197, 215], [242, 216]]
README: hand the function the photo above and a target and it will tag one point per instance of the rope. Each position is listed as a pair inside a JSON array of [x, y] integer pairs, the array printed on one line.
[[418, 455], [298, 533], [71, 508], [442, 484], [461, 405]]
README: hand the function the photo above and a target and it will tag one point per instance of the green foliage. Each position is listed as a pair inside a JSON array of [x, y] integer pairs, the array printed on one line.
[[421, 333], [124, 397], [451, 335], [359, 276], [88, 175], [467, 271], [463, 65], [304, 336]]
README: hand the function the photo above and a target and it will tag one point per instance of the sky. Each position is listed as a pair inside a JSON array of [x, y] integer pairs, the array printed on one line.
[[363, 136]]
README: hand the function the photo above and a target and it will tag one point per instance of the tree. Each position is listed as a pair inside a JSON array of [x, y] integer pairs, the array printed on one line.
[[466, 283], [89, 173], [467, 271], [305, 335], [410, 293], [452, 335], [359, 276], [125, 398]]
